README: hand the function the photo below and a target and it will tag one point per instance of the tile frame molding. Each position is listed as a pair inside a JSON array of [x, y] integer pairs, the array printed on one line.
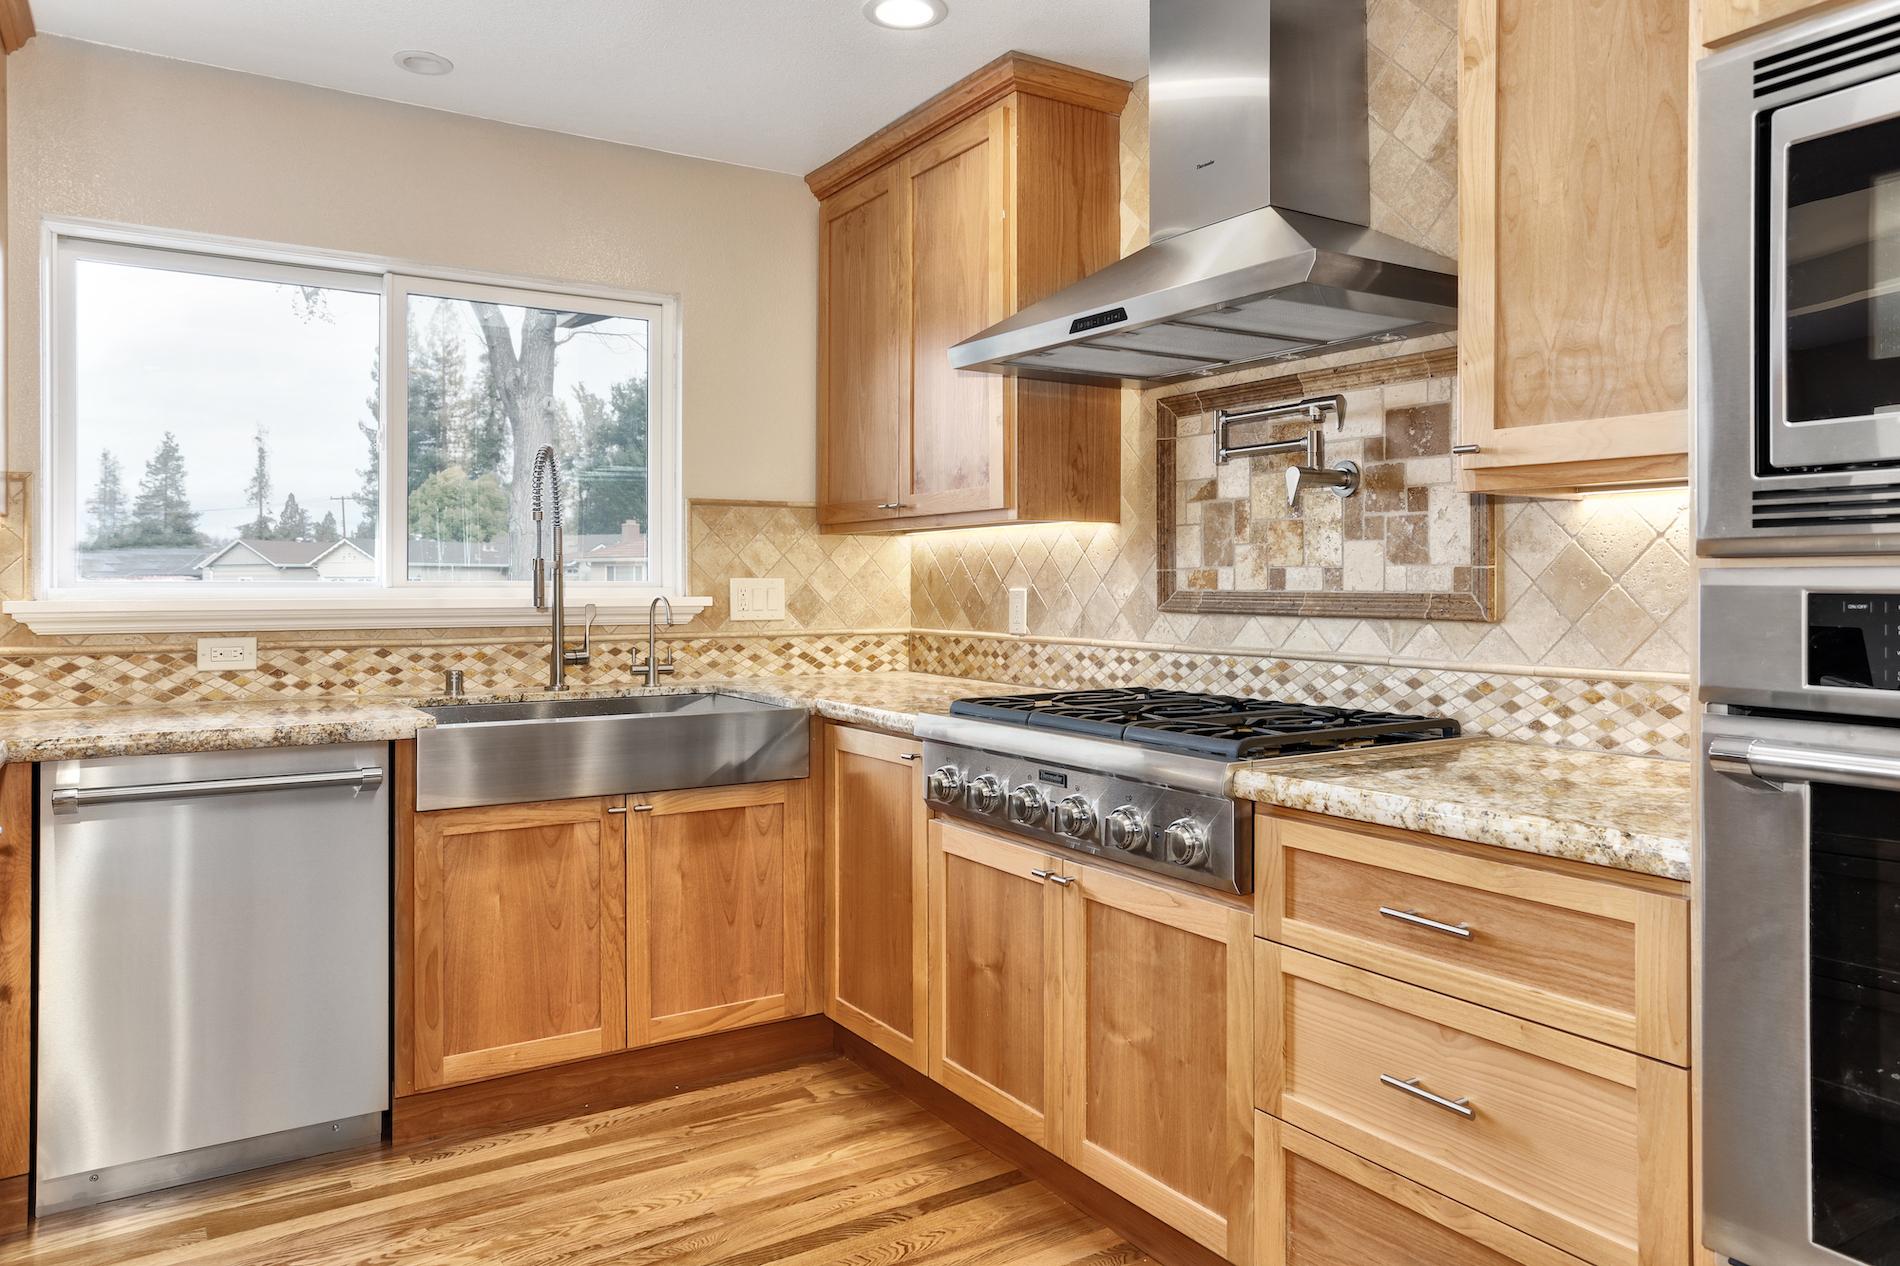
[[1480, 604]]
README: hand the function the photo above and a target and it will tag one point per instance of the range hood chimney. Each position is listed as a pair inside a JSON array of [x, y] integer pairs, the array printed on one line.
[[1260, 197]]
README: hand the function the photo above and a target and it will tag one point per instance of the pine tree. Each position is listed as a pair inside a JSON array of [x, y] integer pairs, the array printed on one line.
[[370, 495], [292, 523], [162, 513], [257, 492], [107, 506], [327, 533]]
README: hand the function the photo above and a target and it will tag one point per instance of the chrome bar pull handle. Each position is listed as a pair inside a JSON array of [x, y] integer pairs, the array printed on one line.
[[642, 808], [615, 809], [1420, 921], [1464, 450], [73, 799], [1045, 874], [1411, 1087], [909, 756], [1064, 880]]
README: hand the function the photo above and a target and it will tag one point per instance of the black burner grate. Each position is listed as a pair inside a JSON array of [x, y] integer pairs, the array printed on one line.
[[1226, 727]]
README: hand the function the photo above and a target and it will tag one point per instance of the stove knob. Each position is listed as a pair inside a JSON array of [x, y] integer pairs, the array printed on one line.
[[1074, 817], [1186, 842], [1126, 829], [945, 783], [1027, 804], [985, 793]]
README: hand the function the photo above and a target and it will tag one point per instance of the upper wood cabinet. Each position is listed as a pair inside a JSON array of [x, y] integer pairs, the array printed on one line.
[[876, 869], [716, 884], [987, 198], [517, 939], [1573, 237], [1725, 20]]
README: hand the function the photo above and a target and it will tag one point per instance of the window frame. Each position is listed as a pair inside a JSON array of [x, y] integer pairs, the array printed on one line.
[[64, 604]]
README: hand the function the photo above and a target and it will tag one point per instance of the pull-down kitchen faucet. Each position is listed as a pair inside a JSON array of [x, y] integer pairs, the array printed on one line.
[[559, 656]]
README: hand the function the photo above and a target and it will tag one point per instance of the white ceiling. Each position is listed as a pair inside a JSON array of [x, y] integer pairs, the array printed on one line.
[[779, 84]]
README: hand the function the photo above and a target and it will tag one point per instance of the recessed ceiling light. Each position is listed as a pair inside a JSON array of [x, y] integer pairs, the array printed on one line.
[[420, 62], [906, 15]]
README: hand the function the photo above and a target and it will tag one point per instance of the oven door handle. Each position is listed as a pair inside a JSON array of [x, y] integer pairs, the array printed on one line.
[[1775, 762]]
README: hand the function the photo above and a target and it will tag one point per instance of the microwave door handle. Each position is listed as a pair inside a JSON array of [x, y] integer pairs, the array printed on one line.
[[1779, 763]]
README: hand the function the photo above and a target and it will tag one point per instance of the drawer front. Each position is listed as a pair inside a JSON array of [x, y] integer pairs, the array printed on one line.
[[1322, 1206], [1597, 958], [1579, 1144]]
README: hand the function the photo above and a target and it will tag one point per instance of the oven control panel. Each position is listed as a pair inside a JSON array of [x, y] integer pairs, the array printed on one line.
[[1854, 641], [1189, 835]]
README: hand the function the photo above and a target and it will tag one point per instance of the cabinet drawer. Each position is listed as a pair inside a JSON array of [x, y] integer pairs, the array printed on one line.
[[1322, 1206], [1579, 1144], [1599, 958]]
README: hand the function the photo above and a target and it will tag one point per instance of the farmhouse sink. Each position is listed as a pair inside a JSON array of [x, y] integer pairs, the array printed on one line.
[[564, 749]]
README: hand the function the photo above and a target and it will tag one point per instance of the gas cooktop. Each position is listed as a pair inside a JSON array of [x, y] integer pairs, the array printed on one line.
[[1221, 727], [1137, 775]]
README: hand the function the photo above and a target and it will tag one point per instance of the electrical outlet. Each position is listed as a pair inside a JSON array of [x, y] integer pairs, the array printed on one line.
[[226, 654], [758, 598], [1019, 610]]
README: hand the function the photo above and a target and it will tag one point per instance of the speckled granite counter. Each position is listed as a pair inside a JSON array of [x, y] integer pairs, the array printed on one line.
[[1629, 812], [888, 701]]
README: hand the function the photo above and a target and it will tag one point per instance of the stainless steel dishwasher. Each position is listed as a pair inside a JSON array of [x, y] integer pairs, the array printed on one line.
[[214, 965]]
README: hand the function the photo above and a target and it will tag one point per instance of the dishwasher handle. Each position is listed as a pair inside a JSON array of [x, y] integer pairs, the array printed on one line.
[[73, 799]]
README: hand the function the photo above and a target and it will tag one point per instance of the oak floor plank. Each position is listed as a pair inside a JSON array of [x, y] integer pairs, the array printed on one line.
[[821, 1164]]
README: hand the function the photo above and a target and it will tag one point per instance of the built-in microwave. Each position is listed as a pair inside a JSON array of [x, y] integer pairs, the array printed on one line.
[[1798, 289]]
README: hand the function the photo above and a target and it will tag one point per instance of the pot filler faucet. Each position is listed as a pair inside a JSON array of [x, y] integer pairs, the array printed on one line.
[[559, 656]]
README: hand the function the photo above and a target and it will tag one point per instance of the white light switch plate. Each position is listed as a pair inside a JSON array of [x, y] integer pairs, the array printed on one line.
[[1019, 610], [226, 654], [758, 598]]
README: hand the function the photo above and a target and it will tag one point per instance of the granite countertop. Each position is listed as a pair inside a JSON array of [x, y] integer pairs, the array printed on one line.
[[1627, 812], [884, 700]]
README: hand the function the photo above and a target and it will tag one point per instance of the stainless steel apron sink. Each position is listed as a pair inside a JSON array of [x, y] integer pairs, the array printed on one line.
[[563, 749]]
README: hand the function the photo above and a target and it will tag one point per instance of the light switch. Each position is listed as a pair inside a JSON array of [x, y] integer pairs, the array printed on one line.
[[758, 598], [1019, 610], [226, 654]]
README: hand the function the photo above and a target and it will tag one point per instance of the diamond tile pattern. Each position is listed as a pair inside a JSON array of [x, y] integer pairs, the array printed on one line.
[[1636, 717]]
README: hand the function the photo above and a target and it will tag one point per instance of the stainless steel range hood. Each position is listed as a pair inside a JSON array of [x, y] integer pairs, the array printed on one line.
[[1261, 194]]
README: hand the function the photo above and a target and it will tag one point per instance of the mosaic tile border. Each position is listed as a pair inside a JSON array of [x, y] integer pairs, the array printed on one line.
[[1639, 717], [139, 678]]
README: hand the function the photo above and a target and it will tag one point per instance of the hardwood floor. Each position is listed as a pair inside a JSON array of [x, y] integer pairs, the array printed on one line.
[[819, 1165]]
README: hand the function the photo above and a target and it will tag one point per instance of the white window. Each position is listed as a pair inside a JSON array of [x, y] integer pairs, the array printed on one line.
[[261, 438]]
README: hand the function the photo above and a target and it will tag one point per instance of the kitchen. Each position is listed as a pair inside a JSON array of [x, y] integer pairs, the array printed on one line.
[[1146, 631]]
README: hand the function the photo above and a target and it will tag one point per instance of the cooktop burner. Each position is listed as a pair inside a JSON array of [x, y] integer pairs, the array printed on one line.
[[1224, 727]]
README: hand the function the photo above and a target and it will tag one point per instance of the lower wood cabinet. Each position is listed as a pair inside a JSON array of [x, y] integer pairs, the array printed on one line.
[[518, 928], [1106, 1017], [1579, 1144], [876, 878], [996, 1031], [1322, 1206], [16, 992], [716, 893]]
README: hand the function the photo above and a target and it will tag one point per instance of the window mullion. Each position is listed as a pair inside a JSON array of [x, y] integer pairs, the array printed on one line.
[[393, 500]]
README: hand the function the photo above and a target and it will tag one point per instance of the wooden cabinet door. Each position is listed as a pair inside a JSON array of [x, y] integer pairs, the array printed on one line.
[[1725, 20], [996, 954], [956, 201], [16, 973], [863, 355], [1157, 999], [716, 905], [519, 926], [876, 877], [1573, 243]]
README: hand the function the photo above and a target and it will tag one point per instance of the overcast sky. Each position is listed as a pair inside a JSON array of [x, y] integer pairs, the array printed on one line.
[[212, 358]]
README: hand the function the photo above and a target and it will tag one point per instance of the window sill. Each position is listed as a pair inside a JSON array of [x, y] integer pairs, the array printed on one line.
[[248, 612]]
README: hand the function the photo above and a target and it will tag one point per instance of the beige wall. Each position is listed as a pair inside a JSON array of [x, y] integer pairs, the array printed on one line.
[[105, 134]]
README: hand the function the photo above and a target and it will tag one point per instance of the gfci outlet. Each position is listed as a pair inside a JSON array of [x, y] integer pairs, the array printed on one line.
[[758, 598], [1019, 610], [226, 654]]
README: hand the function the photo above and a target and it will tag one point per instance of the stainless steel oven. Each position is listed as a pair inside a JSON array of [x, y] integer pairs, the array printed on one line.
[[1798, 288], [1799, 878]]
